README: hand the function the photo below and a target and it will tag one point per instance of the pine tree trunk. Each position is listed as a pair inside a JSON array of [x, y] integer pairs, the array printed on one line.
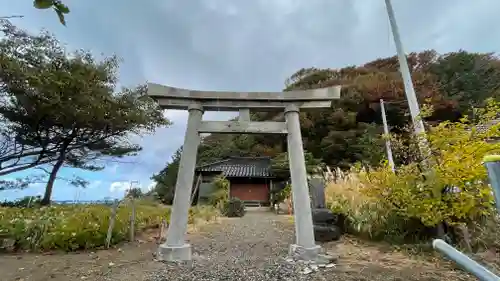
[[52, 178]]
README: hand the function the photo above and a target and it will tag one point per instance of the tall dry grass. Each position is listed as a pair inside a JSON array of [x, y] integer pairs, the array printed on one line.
[[364, 216]]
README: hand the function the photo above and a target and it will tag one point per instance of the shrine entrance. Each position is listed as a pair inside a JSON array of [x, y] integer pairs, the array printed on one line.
[[196, 102]]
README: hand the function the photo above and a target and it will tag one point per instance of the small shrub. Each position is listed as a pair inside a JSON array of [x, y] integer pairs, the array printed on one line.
[[279, 196], [205, 213], [221, 193], [233, 208]]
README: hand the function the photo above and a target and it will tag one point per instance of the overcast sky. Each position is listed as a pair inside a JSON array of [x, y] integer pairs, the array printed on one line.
[[247, 45]]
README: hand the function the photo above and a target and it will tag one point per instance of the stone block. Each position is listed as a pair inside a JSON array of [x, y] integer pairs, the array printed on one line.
[[174, 253], [324, 216], [324, 233]]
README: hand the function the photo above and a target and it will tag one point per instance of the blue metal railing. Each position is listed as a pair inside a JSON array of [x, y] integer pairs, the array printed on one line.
[[492, 164], [464, 261]]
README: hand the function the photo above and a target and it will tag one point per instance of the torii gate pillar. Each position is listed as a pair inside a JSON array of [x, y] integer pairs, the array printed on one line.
[[176, 248], [305, 248], [304, 233]]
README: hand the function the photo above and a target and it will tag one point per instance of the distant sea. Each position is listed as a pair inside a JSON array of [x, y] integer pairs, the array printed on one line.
[[71, 202]]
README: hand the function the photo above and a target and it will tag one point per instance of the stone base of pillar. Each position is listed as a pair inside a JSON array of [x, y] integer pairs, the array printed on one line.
[[313, 255], [298, 252], [174, 253]]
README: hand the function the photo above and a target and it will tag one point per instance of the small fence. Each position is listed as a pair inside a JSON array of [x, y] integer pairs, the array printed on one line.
[[493, 166], [132, 231]]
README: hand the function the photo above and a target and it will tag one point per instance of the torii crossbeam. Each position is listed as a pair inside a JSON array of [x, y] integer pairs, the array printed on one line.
[[196, 102]]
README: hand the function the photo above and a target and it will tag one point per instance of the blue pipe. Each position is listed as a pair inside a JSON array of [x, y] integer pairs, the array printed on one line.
[[464, 261], [492, 163]]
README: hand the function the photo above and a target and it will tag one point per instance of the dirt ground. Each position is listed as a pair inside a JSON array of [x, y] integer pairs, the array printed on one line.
[[358, 260]]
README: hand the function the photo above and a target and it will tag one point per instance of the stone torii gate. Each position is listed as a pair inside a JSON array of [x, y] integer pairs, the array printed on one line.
[[196, 102]]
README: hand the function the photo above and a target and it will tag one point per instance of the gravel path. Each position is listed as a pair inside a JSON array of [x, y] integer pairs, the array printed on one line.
[[250, 248], [255, 248]]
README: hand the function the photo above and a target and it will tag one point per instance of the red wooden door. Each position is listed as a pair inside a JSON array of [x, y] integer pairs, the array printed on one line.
[[250, 192]]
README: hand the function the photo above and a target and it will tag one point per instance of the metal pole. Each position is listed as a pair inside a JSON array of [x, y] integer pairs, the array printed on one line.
[[464, 261], [418, 125], [492, 163], [387, 140]]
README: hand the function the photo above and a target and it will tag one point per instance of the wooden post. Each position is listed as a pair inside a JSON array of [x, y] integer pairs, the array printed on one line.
[[29, 201], [387, 140], [132, 220], [196, 187], [289, 201], [112, 218], [163, 231]]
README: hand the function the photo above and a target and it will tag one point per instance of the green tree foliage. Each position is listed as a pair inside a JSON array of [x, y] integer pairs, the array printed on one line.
[[61, 108], [135, 192], [58, 6], [166, 179], [281, 168], [467, 79]]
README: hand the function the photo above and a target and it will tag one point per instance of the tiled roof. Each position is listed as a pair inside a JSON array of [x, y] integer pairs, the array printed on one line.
[[248, 167]]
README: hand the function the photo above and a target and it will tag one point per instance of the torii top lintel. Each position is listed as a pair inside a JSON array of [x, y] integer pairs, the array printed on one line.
[[176, 98]]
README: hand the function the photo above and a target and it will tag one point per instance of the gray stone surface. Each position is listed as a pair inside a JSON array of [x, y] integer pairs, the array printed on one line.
[[185, 179], [304, 232], [175, 98], [254, 247], [326, 233], [300, 253], [317, 186], [174, 253]]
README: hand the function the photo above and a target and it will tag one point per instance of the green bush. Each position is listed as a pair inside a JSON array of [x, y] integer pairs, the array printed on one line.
[[414, 202], [233, 208], [221, 193], [279, 196], [204, 213], [74, 227], [408, 206]]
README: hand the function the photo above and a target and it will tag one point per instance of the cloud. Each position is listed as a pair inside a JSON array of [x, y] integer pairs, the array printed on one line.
[[119, 186], [150, 186], [250, 45], [123, 186]]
